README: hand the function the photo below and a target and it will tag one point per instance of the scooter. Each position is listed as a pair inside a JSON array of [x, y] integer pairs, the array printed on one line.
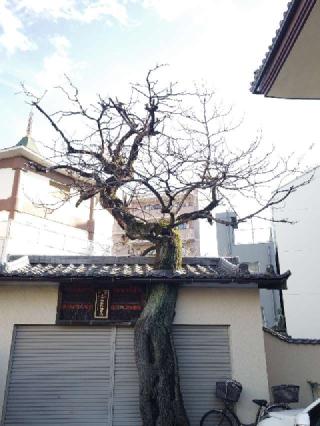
[[309, 416]]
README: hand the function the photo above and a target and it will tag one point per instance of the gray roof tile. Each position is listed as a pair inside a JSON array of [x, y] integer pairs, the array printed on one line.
[[59, 268], [292, 340], [258, 73]]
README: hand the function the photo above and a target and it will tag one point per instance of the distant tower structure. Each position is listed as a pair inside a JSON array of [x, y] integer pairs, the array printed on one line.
[[27, 140], [259, 257], [29, 126]]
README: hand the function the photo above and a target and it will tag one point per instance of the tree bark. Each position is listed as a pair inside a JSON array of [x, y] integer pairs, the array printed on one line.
[[161, 402]]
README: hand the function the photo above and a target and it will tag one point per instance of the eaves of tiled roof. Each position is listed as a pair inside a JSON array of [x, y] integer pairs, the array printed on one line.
[[195, 270], [272, 62], [291, 340]]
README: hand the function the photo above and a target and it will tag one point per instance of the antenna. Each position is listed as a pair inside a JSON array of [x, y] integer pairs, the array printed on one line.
[[252, 231], [29, 126]]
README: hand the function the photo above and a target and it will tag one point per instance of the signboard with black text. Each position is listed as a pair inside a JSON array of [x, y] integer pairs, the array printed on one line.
[[94, 303]]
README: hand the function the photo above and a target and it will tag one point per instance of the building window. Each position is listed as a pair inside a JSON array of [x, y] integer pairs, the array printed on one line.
[[155, 207], [183, 226]]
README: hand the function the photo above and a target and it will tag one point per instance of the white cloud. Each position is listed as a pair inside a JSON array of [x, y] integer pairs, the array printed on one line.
[[60, 43], [12, 37], [13, 14], [52, 9], [101, 8], [171, 10], [80, 10], [56, 65]]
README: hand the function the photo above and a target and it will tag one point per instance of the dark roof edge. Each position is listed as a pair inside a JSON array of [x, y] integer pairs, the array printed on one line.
[[265, 75], [289, 339], [278, 282]]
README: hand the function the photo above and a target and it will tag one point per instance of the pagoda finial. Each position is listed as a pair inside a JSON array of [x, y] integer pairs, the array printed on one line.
[[27, 141], [29, 127]]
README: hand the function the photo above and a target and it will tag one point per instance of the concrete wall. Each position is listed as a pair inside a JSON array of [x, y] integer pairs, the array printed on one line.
[[238, 309], [293, 363], [298, 247], [26, 304]]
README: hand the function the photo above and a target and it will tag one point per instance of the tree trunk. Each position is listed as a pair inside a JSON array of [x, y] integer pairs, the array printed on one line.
[[161, 402]]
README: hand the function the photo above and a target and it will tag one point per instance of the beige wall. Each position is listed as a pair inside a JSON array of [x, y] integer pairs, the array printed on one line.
[[22, 305], [299, 75], [291, 363], [239, 309]]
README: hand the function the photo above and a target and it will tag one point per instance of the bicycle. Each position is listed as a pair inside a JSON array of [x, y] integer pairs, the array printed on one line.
[[227, 416]]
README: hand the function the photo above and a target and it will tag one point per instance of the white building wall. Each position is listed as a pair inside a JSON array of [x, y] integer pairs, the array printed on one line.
[[30, 234], [4, 223], [298, 249], [102, 241], [37, 197], [46, 224], [6, 182]]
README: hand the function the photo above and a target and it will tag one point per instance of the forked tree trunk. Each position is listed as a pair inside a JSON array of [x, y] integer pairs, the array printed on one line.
[[161, 402]]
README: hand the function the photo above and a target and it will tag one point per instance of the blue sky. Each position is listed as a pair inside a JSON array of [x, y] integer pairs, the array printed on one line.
[[104, 44]]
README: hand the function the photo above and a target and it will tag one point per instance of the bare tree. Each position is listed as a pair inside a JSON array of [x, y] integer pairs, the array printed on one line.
[[164, 143]]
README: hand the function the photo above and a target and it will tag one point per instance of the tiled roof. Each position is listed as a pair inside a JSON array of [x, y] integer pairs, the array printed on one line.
[[58, 268], [29, 143], [275, 41], [289, 339]]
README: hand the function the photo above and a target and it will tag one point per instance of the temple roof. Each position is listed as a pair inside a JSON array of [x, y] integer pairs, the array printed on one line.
[[194, 270], [28, 142]]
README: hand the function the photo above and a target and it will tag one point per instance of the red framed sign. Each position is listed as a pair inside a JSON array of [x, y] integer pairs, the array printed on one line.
[[99, 303]]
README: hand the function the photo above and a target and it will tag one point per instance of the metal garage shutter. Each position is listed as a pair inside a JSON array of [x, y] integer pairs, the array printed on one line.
[[87, 375], [204, 358], [60, 376], [126, 389]]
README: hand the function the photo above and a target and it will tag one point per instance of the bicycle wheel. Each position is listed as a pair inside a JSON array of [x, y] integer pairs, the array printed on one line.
[[277, 407], [215, 418]]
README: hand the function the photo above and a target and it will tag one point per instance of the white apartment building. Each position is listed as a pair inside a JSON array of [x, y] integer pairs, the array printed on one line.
[[151, 209], [298, 248]]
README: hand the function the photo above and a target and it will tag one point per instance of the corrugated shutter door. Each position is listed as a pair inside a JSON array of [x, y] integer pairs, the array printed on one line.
[[204, 358], [60, 376], [126, 387], [87, 375]]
